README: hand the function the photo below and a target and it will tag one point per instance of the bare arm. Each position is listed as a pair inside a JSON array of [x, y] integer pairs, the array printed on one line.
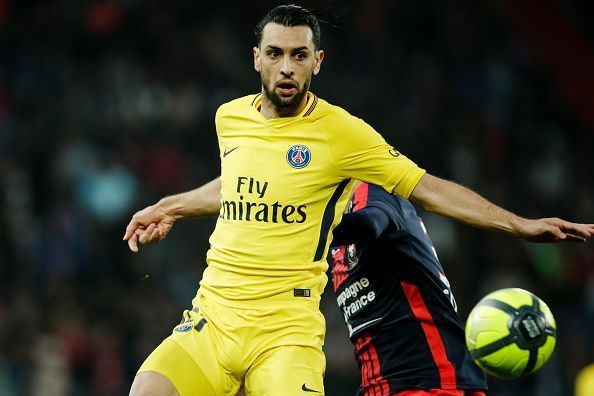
[[153, 223], [452, 200], [204, 201]]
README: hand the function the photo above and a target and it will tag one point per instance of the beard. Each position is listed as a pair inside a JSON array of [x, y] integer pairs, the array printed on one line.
[[285, 106]]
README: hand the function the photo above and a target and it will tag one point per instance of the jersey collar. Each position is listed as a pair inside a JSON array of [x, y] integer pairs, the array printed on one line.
[[310, 105]]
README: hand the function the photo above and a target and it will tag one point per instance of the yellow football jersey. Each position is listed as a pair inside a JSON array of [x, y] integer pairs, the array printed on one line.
[[285, 183]]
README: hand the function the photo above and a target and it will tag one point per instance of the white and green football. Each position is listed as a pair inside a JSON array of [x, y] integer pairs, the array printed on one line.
[[511, 333]]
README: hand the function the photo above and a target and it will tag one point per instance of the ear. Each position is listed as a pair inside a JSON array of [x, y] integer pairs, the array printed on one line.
[[319, 59], [257, 59]]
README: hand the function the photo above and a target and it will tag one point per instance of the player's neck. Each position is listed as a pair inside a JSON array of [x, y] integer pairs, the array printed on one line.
[[270, 111]]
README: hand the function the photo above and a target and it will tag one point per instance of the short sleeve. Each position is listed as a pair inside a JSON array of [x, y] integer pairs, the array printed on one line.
[[361, 153]]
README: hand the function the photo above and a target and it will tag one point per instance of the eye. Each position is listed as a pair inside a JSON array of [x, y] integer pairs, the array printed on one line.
[[301, 55], [273, 53]]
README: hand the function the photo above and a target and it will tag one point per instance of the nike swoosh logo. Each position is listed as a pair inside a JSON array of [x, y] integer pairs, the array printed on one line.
[[227, 152], [352, 330], [306, 389]]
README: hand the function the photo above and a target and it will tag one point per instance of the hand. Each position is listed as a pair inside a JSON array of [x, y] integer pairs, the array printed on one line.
[[149, 225], [554, 230]]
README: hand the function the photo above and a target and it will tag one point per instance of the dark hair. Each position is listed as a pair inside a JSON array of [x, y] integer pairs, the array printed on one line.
[[291, 15]]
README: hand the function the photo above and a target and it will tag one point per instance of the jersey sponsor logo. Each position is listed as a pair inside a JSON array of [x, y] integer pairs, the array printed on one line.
[[249, 205], [355, 297], [357, 305], [352, 290], [227, 151], [298, 156], [184, 327]]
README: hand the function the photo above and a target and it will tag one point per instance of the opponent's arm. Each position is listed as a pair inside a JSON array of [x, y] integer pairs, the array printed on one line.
[[153, 223], [452, 200], [364, 225]]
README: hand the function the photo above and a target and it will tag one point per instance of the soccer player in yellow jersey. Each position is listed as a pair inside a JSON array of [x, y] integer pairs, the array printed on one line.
[[289, 161]]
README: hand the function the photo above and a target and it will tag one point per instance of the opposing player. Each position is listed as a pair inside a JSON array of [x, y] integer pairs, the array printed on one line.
[[288, 160], [397, 302]]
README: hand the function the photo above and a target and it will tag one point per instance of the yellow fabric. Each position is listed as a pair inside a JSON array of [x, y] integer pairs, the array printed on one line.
[[584, 382], [271, 236], [276, 349], [269, 378], [170, 360]]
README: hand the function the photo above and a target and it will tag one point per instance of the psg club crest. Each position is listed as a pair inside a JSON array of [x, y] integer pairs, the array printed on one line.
[[298, 156]]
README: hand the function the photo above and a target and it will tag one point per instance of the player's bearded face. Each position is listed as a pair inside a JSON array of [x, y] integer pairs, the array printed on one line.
[[286, 60], [285, 93]]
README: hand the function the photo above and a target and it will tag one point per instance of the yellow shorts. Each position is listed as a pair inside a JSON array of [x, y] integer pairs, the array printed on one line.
[[275, 350]]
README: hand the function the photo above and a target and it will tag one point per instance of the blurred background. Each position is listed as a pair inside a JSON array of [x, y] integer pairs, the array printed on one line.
[[108, 105]]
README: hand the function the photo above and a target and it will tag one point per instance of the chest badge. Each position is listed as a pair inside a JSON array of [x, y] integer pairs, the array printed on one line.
[[352, 256], [298, 156]]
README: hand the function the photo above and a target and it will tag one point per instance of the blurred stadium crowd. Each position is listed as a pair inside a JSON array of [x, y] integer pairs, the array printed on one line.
[[108, 105]]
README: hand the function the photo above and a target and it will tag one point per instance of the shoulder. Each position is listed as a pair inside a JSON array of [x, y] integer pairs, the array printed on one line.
[[379, 197], [236, 105], [326, 112], [349, 131], [393, 204], [339, 123]]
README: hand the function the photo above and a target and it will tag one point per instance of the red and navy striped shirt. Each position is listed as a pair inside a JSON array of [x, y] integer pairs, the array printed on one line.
[[397, 301]]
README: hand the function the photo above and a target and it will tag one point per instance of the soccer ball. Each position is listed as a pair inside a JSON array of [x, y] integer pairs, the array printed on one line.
[[511, 333]]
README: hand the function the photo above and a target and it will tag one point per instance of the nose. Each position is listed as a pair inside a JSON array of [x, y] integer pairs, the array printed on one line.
[[287, 66]]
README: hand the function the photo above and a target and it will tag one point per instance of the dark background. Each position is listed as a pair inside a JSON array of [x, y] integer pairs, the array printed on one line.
[[106, 106]]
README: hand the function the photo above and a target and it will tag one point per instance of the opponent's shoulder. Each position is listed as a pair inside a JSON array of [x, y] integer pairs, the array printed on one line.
[[377, 193], [398, 208], [236, 105]]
